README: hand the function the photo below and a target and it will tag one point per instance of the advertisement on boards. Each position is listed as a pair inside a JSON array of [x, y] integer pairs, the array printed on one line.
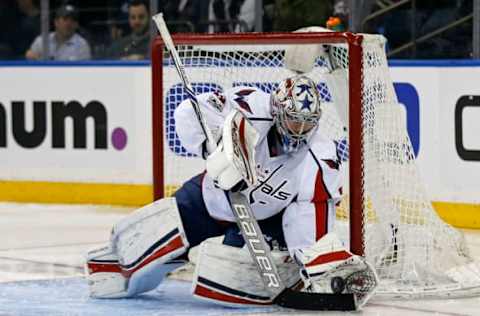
[[460, 131], [76, 124]]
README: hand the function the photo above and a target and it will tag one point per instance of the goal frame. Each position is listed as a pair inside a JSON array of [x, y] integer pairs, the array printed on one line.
[[355, 116]]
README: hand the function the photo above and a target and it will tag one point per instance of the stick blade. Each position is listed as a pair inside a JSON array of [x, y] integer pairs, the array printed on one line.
[[316, 301]]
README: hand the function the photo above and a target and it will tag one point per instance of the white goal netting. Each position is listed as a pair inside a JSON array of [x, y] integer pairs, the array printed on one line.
[[415, 253]]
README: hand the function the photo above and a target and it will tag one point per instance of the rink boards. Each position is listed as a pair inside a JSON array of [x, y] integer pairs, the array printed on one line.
[[108, 159]]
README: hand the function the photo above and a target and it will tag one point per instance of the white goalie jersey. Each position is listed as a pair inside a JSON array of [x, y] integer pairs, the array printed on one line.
[[305, 184]]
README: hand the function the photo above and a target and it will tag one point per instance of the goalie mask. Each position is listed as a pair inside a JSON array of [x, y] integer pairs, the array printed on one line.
[[296, 111]]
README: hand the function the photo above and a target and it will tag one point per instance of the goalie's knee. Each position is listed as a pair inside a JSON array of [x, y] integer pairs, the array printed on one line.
[[141, 252], [227, 275], [154, 231]]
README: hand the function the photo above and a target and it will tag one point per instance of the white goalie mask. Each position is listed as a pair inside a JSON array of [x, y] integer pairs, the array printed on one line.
[[296, 111]]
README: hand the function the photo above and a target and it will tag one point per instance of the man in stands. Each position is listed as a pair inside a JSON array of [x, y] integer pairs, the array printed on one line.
[[134, 46], [300, 183], [64, 43]]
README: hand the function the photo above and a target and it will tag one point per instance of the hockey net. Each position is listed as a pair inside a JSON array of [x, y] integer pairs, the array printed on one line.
[[385, 214]]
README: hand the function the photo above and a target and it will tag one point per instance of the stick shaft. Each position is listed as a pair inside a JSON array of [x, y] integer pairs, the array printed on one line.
[[167, 39], [256, 244]]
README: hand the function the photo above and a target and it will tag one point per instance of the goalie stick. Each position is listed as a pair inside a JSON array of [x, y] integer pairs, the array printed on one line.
[[251, 232]]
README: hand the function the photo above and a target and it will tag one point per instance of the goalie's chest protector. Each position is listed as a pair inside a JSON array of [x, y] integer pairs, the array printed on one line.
[[278, 184]]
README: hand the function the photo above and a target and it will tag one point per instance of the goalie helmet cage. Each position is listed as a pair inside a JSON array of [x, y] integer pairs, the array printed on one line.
[[385, 215]]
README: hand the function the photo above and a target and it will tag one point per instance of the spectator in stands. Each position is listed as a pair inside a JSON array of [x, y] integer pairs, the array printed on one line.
[[134, 46], [28, 26], [64, 43]]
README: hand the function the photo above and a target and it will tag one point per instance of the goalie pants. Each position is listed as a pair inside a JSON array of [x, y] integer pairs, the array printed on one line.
[[199, 225]]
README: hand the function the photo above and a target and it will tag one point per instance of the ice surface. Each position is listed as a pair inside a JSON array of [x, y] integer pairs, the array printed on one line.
[[70, 297], [41, 263]]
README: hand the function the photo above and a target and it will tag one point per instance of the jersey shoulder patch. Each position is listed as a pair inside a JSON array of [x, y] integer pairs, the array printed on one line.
[[253, 102], [326, 151]]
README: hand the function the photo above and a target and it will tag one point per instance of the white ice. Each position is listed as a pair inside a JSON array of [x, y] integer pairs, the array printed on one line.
[[41, 271]]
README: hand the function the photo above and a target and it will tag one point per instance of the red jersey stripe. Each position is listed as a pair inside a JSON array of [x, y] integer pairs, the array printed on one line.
[[319, 199], [321, 220]]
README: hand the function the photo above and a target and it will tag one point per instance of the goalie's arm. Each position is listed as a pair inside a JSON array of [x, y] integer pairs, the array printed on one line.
[[189, 129]]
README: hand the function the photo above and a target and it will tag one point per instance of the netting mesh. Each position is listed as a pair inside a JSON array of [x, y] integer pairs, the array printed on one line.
[[414, 251]]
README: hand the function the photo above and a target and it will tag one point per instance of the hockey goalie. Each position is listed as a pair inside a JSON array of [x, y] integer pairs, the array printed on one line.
[[270, 150]]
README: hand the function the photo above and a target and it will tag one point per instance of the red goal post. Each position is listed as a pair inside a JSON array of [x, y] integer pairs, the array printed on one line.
[[353, 41], [386, 214]]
